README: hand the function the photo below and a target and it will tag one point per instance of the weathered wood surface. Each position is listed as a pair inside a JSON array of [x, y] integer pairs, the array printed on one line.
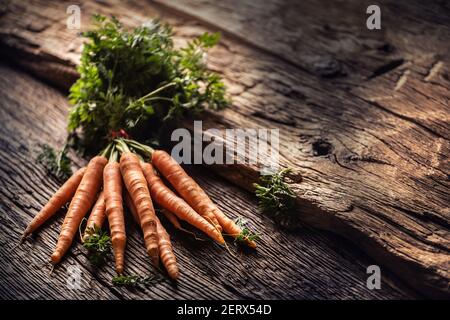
[[306, 264], [372, 146], [329, 38]]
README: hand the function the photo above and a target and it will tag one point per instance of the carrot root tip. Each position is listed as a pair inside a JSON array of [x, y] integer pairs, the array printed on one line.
[[55, 258], [155, 261], [23, 238], [251, 244], [51, 269]]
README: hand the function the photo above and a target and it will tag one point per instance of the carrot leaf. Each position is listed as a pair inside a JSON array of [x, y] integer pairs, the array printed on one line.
[[98, 244], [135, 280], [276, 197], [56, 163], [135, 79], [246, 234]]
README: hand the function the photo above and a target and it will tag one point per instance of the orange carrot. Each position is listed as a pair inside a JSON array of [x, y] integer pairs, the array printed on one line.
[[82, 201], [61, 197], [166, 251], [193, 193], [112, 186], [137, 188], [170, 201], [186, 186], [171, 217], [165, 246], [97, 216], [132, 208], [231, 228]]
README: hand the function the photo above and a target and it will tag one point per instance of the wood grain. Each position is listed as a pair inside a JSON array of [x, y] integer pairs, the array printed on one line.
[[373, 155], [329, 39], [316, 266]]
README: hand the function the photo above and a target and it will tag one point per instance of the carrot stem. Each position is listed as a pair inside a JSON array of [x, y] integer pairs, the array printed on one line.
[[114, 155], [105, 152], [148, 95], [122, 145], [142, 147]]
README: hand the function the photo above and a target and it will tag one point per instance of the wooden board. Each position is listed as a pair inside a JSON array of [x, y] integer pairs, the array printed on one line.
[[317, 265], [373, 156], [330, 39]]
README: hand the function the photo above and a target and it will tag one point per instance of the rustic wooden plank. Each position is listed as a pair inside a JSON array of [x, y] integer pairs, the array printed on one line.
[[330, 39], [336, 41], [363, 151], [316, 265]]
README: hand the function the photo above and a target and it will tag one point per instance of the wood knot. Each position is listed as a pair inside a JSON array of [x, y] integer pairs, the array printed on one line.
[[327, 67], [321, 147], [386, 48]]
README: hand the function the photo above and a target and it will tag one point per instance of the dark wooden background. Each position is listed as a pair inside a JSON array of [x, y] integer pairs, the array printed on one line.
[[364, 119]]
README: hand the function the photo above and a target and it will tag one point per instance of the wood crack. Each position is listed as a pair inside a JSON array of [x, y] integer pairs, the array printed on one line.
[[386, 68], [403, 117]]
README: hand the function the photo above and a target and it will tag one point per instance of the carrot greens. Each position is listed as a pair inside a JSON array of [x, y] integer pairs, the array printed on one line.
[[56, 163], [275, 196], [133, 79], [98, 244], [246, 234], [135, 280]]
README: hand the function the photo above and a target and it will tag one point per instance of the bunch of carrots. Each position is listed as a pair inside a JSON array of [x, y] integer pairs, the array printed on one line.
[[120, 174]]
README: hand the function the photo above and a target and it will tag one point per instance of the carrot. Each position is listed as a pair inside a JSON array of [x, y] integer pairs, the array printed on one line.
[[171, 217], [164, 244], [97, 216], [82, 200], [61, 197], [171, 202], [186, 186], [112, 186], [132, 208], [166, 251], [231, 228], [137, 188], [193, 193]]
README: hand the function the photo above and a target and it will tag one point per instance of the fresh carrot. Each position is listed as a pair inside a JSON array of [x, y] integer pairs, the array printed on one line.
[[61, 197], [231, 228], [97, 216], [193, 193], [131, 207], [173, 219], [137, 188], [170, 201], [186, 186], [112, 186], [166, 251], [165, 246], [81, 202]]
